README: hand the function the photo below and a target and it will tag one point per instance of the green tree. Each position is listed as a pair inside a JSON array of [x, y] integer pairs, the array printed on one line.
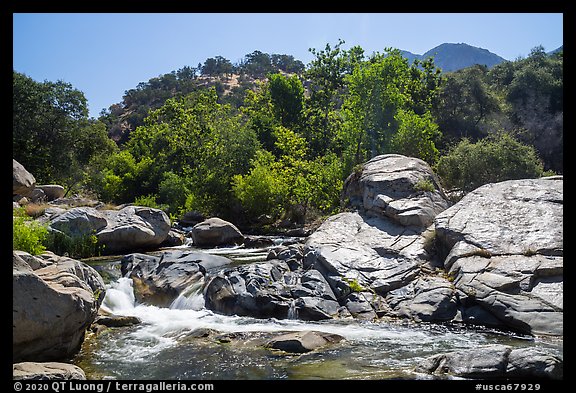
[[378, 89], [415, 136], [287, 95], [52, 135], [322, 126], [467, 105], [186, 154]]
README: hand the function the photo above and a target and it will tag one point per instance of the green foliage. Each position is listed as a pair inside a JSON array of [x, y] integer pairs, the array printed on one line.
[[467, 106], [424, 185], [28, 235], [290, 183], [186, 153], [52, 136], [283, 147], [75, 247], [147, 201], [173, 191], [287, 95], [261, 191], [523, 96], [354, 285], [382, 109], [497, 158], [415, 136]]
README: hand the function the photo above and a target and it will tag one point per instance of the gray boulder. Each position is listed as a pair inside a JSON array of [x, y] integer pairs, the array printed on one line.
[[51, 191], [373, 252], [22, 181], [426, 299], [128, 229], [271, 290], [382, 248], [215, 232], [495, 362], [79, 221], [52, 307], [47, 371], [388, 186], [504, 247], [132, 228], [159, 280], [304, 341]]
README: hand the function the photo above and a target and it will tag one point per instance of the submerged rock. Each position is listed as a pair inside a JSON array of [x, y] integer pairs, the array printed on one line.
[[305, 341]]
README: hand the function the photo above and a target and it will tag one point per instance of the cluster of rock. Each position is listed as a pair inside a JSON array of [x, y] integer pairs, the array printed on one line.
[[25, 189], [492, 259], [126, 229]]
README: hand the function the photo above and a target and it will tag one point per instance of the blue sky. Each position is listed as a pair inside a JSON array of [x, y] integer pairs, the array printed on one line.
[[105, 54]]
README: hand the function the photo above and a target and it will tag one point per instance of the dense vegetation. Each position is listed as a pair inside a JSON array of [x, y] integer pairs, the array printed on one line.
[[271, 139]]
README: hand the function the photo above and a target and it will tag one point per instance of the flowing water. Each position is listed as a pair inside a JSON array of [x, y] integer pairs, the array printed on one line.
[[169, 344]]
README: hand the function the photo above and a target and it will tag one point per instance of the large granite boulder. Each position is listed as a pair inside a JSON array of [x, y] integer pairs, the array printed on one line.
[[129, 229], [133, 228], [391, 186], [79, 221], [495, 362], [22, 181], [504, 247], [215, 232], [160, 280], [47, 371], [375, 253], [51, 308], [370, 257]]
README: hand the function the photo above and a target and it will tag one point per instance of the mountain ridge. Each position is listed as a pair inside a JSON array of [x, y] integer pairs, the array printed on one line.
[[455, 56]]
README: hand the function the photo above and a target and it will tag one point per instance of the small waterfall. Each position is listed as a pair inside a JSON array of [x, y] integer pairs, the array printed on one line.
[[119, 296], [190, 299], [293, 310]]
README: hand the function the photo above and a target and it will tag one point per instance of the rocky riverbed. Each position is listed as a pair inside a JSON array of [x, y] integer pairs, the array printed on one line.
[[405, 284]]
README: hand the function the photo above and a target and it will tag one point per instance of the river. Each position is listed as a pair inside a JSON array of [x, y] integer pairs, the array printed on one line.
[[167, 346]]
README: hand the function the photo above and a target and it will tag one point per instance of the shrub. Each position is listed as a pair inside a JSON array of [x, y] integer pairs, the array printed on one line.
[[146, 201], [500, 157], [424, 185], [415, 136], [74, 247], [28, 235], [262, 190], [354, 285]]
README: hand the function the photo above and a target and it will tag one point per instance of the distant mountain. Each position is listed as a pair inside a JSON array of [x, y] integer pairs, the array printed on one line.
[[453, 57], [561, 48], [410, 56]]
